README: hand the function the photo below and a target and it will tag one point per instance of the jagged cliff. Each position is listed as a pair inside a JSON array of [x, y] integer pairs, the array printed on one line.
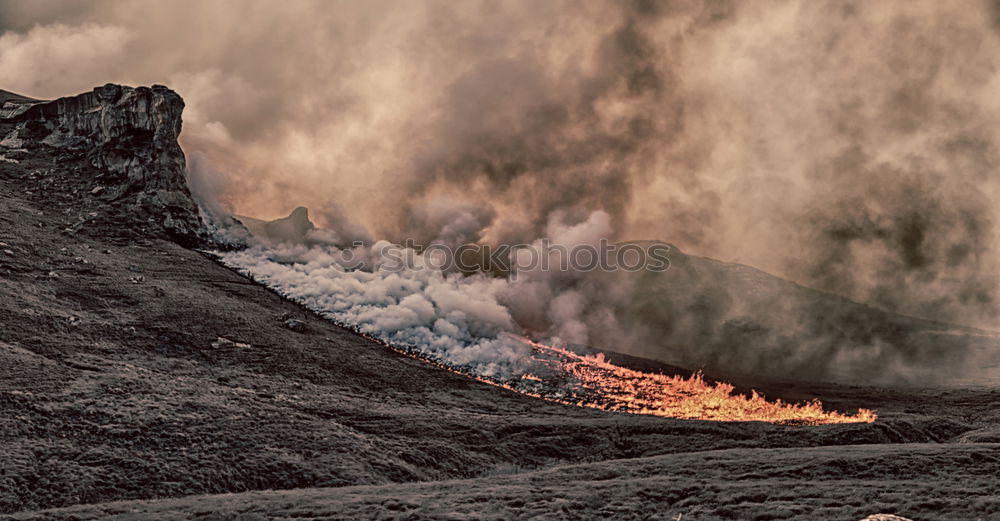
[[129, 135]]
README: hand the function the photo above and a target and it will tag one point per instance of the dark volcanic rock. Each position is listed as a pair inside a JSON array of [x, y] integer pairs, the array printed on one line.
[[130, 135], [295, 325]]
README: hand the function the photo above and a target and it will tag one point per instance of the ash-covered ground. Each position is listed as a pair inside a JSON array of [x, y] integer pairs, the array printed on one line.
[[142, 380]]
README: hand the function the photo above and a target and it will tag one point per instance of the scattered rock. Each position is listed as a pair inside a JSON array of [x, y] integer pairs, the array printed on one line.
[[223, 342], [138, 279], [885, 517], [74, 228], [295, 325], [97, 190], [16, 154], [12, 141]]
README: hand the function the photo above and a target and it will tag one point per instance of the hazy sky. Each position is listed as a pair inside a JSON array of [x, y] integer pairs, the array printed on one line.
[[851, 146]]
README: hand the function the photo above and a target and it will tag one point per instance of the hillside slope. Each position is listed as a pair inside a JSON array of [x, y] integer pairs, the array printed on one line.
[[922, 482], [132, 367]]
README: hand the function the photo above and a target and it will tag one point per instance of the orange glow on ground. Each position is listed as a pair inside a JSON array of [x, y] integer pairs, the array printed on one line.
[[591, 381]]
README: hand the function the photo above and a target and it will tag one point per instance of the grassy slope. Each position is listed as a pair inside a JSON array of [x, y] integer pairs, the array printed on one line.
[[111, 388], [926, 481]]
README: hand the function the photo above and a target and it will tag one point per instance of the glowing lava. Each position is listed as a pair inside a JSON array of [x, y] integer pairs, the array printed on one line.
[[591, 381]]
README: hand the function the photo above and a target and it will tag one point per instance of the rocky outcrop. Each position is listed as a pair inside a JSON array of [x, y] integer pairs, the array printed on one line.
[[130, 135], [294, 228]]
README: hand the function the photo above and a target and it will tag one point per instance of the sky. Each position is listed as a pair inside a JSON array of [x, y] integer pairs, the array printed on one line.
[[850, 146]]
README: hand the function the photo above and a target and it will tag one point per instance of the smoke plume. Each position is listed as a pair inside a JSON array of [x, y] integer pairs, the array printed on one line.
[[849, 146]]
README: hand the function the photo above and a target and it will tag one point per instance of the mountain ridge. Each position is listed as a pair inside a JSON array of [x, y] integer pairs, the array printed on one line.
[[135, 368]]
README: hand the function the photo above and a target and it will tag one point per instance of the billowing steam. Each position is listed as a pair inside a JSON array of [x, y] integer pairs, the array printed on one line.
[[850, 146]]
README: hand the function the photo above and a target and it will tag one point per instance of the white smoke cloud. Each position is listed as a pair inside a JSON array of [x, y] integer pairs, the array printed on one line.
[[732, 129], [447, 221], [450, 318], [33, 61], [462, 320], [847, 145]]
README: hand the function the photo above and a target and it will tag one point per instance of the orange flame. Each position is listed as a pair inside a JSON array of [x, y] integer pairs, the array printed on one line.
[[591, 381]]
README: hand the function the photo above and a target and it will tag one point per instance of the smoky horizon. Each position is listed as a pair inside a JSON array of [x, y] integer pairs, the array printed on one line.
[[847, 147]]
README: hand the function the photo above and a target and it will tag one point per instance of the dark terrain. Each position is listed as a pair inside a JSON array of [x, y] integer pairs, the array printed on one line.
[[138, 378]]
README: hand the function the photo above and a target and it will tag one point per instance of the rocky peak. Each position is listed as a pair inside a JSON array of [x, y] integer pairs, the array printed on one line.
[[130, 136], [293, 228]]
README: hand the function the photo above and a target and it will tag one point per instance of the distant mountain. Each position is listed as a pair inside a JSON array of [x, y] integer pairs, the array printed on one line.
[[292, 228], [733, 318]]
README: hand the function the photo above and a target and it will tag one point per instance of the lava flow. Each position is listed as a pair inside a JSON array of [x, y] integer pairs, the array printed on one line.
[[591, 381]]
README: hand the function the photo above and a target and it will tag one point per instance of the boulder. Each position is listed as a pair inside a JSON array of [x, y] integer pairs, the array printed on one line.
[[295, 325]]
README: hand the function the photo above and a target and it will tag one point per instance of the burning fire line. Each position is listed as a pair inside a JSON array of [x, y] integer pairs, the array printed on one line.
[[562, 376], [600, 384], [591, 381]]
